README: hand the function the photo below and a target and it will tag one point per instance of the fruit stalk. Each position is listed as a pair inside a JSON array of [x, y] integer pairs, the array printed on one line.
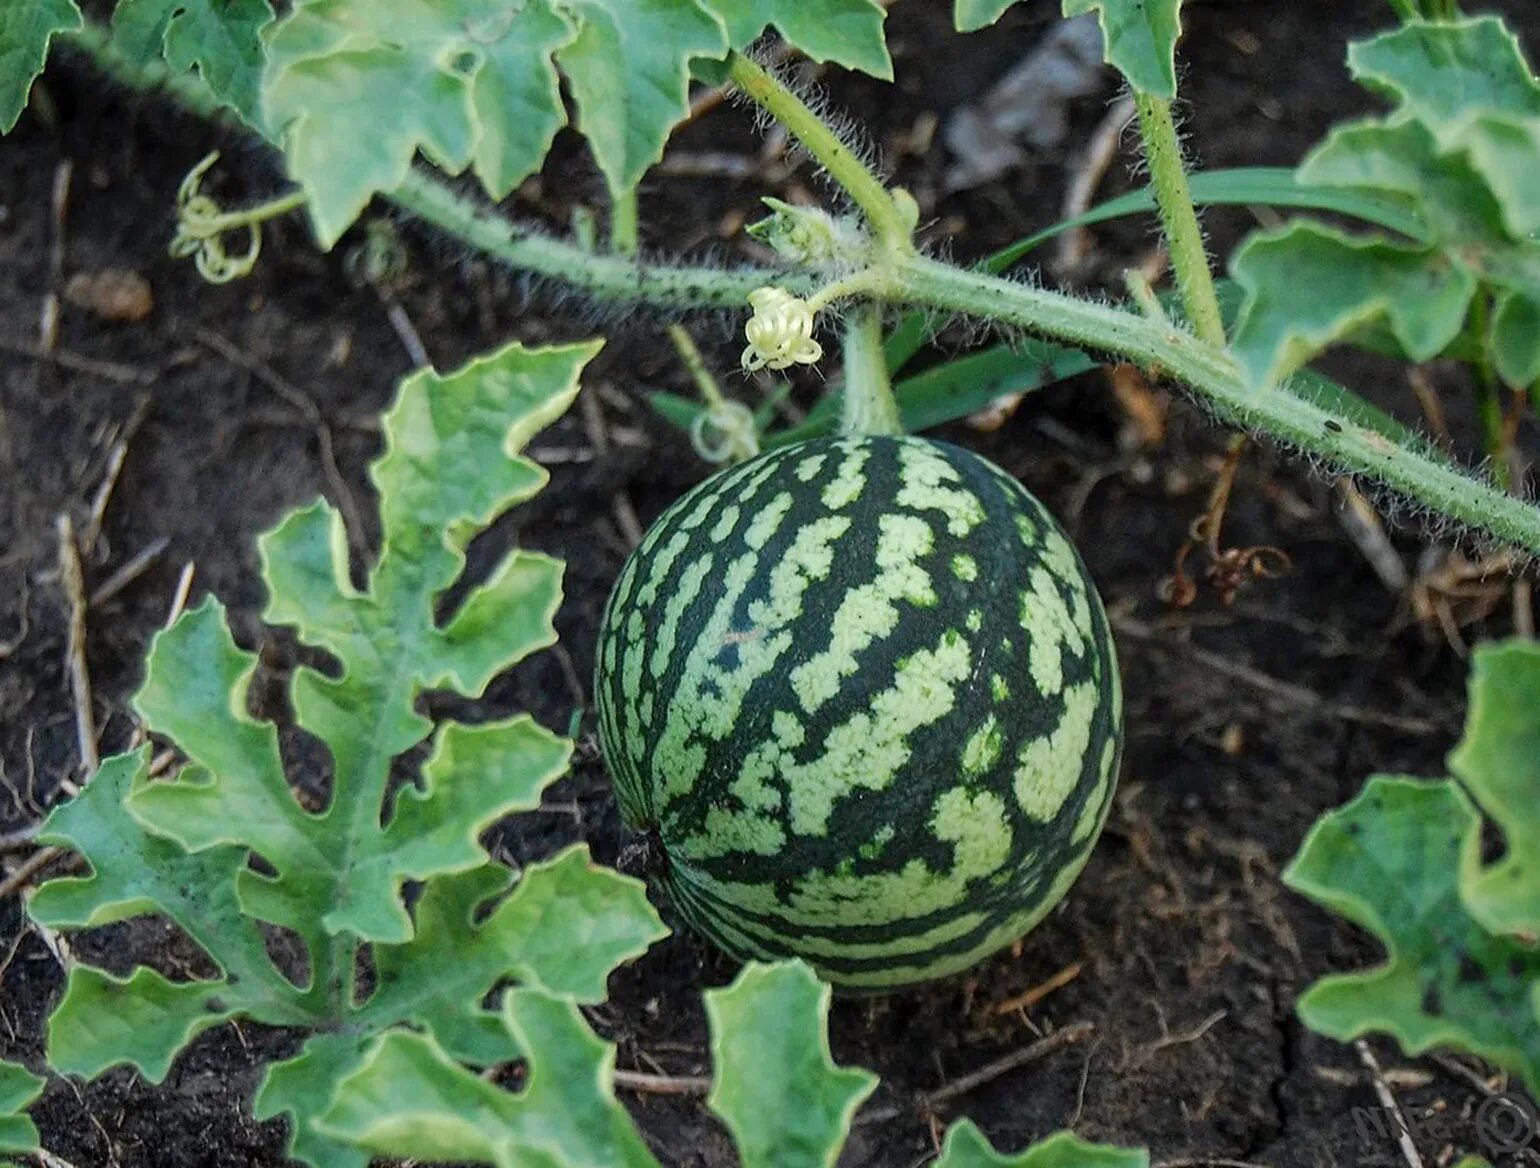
[[868, 404]]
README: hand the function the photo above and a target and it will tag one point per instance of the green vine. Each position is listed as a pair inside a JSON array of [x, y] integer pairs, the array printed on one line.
[[1178, 217], [869, 407], [897, 274]]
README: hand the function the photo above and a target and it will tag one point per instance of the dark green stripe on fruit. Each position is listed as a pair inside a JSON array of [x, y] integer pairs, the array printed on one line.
[[865, 692]]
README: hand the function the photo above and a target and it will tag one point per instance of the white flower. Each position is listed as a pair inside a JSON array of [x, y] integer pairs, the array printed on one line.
[[780, 332]]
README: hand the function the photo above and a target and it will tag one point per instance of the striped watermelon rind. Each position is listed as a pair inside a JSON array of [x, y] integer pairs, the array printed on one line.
[[864, 693]]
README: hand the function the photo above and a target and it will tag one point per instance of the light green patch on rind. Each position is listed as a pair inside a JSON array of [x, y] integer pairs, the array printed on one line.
[[710, 695], [1051, 630], [658, 570], [965, 567], [766, 939], [808, 468], [974, 620], [1094, 813], [768, 521], [1049, 767], [726, 832], [869, 612], [691, 580], [982, 749], [869, 749], [849, 480], [974, 822], [999, 688], [923, 476], [1029, 531], [1003, 934], [873, 847], [726, 523]]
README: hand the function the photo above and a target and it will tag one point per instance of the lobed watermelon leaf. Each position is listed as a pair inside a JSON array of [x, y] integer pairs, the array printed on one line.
[[1308, 285], [25, 32], [18, 1088], [484, 83], [1498, 760], [1140, 35], [221, 39], [776, 1087], [1461, 153], [1394, 861], [966, 1147], [846, 32], [782, 1097], [226, 851], [410, 1098]]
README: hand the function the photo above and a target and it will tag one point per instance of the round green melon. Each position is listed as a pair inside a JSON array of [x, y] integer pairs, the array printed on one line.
[[862, 693]]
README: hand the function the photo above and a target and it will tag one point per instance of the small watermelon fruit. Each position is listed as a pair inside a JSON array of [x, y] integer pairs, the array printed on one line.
[[863, 696]]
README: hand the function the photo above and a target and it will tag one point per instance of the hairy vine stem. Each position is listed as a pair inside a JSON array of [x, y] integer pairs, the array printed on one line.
[[607, 276], [1179, 218], [891, 227], [868, 406], [899, 275], [1216, 378]]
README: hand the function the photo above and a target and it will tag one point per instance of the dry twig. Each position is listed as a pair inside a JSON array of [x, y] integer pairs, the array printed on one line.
[[1387, 1100]]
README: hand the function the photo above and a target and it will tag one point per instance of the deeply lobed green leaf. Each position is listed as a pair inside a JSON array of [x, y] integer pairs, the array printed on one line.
[[221, 39], [1140, 35], [25, 32], [409, 1098], [18, 1088], [1498, 760], [783, 1099], [776, 1085], [1393, 861], [847, 32], [1462, 155], [225, 851], [1308, 285], [476, 84], [966, 1147]]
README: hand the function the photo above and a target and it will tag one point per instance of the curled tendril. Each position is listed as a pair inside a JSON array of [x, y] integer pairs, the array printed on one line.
[[780, 333], [201, 227], [726, 432]]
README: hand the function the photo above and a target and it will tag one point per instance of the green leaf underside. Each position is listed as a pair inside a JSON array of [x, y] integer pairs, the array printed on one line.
[[1308, 285], [1462, 155], [847, 32], [25, 32], [469, 83], [967, 1147], [18, 1088], [1140, 35], [485, 88], [1391, 861], [182, 846], [409, 1098], [1449, 74], [221, 39], [776, 1086], [1241, 186], [1498, 760]]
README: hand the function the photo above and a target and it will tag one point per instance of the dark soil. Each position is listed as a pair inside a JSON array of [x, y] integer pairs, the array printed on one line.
[[1191, 952]]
